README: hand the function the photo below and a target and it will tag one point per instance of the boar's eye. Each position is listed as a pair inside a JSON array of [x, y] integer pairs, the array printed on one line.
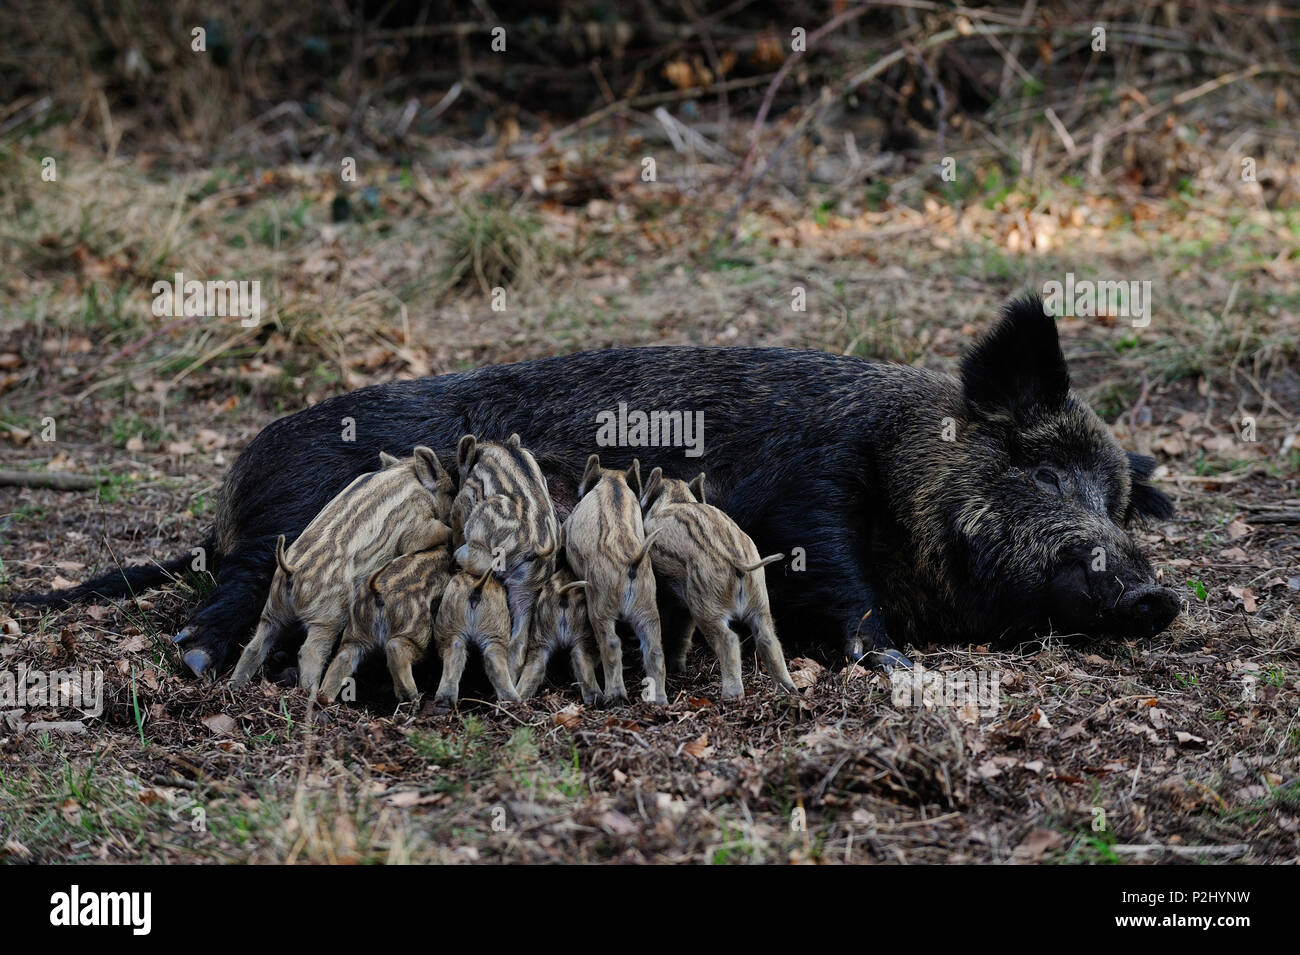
[[1048, 479]]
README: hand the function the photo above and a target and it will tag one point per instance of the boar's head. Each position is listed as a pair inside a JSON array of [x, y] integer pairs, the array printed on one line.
[[1039, 495]]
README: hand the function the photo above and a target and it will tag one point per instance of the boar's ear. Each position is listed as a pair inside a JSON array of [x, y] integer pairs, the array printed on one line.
[[513, 440], [634, 478], [386, 460], [590, 475], [1018, 367], [465, 453], [653, 485], [1145, 500], [696, 487]]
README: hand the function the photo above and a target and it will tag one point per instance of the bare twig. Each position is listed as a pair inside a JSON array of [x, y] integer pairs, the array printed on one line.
[[58, 480], [756, 128]]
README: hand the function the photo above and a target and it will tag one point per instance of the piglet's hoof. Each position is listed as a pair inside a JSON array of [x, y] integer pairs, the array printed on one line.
[[888, 660]]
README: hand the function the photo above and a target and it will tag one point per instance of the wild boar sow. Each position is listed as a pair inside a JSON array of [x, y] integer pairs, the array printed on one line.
[[925, 506]]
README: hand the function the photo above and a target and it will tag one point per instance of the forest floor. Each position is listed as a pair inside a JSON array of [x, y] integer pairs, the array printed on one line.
[[1185, 747]]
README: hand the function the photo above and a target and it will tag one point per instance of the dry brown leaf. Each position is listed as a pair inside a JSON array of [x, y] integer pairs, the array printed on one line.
[[805, 672], [1246, 596], [569, 717], [219, 723], [135, 644], [699, 748], [1034, 845], [615, 823]]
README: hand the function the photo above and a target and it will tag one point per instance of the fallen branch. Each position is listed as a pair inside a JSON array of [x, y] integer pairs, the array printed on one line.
[[58, 480]]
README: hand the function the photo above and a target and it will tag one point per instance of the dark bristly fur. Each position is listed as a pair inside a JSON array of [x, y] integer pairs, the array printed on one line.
[[906, 535]]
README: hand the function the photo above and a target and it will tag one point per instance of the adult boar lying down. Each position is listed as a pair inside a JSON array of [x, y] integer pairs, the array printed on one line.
[[926, 507]]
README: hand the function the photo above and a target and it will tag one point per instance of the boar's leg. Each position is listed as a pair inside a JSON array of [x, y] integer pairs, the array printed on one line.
[[231, 611], [497, 665], [837, 583], [454, 654], [726, 647], [584, 671], [865, 639], [539, 655]]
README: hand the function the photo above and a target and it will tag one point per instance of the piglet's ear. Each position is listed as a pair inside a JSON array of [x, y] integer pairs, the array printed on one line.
[[465, 453], [1018, 367], [1145, 500], [653, 485], [696, 487], [589, 476]]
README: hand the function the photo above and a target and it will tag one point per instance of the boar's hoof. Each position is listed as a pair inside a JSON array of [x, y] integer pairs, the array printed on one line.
[[443, 705], [618, 698], [199, 661], [888, 660]]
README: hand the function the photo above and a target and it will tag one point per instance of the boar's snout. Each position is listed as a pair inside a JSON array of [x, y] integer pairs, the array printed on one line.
[[1144, 611], [1123, 603]]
